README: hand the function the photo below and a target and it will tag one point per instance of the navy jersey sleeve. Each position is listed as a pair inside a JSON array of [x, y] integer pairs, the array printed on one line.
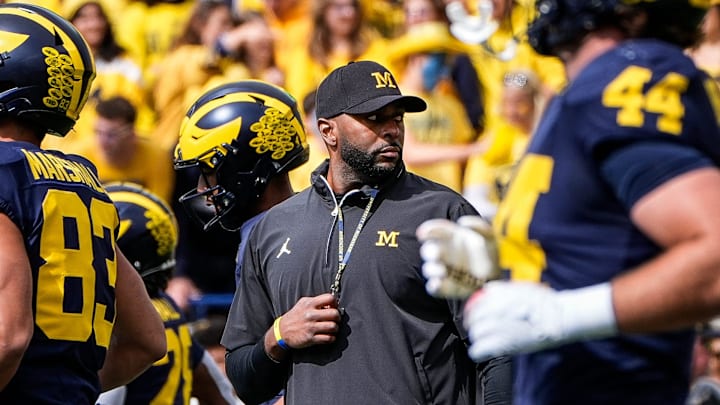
[[635, 170]]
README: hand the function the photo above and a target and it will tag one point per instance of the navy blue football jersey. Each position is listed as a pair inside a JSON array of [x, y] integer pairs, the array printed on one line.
[[565, 221], [69, 225], [169, 380]]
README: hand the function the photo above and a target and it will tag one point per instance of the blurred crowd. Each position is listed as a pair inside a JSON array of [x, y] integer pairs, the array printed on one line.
[[155, 57]]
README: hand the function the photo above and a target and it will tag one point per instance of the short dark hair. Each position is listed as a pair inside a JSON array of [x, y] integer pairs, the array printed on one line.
[[117, 107]]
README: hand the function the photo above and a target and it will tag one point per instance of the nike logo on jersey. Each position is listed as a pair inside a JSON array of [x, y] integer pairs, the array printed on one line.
[[284, 249]]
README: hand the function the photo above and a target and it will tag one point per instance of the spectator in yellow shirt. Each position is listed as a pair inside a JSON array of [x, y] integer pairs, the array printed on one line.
[[440, 139], [149, 28], [197, 61], [505, 48], [487, 174], [121, 155], [253, 44], [340, 34]]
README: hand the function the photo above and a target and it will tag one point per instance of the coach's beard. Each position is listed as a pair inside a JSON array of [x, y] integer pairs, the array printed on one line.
[[365, 164]]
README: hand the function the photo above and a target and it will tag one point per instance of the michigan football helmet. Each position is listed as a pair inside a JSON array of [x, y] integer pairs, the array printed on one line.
[[563, 23], [46, 68], [243, 133], [148, 229]]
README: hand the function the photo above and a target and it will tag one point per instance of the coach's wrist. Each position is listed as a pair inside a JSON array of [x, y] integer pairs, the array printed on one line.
[[272, 349], [588, 312]]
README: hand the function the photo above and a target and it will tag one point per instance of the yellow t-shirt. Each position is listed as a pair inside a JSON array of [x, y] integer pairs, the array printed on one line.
[[151, 167], [444, 122], [306, 73], [494, 167], [187, 72], [148, 32]]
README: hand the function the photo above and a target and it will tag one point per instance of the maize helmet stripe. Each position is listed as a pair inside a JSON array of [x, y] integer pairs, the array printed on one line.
[[68, 39], [10, 40], [247, 132], [152, 205], [148, 230], [198, 144]]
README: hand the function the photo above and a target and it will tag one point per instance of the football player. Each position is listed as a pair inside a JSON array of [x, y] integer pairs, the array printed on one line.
[[243, 137], [75, 318], [148, 238], [610, 229]]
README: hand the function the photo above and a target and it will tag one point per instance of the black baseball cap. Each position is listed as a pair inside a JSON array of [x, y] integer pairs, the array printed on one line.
[[359, 88]]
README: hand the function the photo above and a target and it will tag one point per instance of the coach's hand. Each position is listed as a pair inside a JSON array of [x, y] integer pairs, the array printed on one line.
[[312, 321]]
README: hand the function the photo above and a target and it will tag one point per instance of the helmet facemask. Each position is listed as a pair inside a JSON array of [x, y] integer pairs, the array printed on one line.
[[227, 198]]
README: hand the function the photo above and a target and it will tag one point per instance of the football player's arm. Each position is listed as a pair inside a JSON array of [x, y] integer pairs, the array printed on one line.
[[672, 198], [16, 317], [138, 337], [681, 286], [210, 385]]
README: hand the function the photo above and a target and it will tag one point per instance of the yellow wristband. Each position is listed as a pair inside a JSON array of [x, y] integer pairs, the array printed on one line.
[[278, 336]]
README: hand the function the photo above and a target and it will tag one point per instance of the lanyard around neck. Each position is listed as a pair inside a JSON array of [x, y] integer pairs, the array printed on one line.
[[344, 256]]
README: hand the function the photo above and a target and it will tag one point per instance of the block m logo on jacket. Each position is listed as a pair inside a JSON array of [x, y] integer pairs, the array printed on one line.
[[387, 238]]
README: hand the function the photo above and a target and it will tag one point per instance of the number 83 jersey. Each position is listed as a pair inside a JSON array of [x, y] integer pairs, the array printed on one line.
[[632, 119], [69, 225]]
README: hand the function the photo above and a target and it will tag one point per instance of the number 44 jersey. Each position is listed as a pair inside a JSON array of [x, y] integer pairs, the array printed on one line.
[[633, 118], [69, 225]]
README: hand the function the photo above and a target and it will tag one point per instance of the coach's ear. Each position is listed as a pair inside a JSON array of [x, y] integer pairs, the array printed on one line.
[[327, 130]]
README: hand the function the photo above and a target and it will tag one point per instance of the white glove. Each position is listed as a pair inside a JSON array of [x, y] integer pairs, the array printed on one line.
[[458, 257], [514, 317], [471, 29]]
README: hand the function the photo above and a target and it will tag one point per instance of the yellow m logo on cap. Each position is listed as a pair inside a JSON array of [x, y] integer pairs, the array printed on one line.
[[384, 79]]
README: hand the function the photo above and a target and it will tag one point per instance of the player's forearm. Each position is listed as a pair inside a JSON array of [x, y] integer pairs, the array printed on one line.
[[136, 344], [138, 336], [680, 286], [16, 321], [678, 289], [123, 363], [210, 385], [16, 330], [9, 362]]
